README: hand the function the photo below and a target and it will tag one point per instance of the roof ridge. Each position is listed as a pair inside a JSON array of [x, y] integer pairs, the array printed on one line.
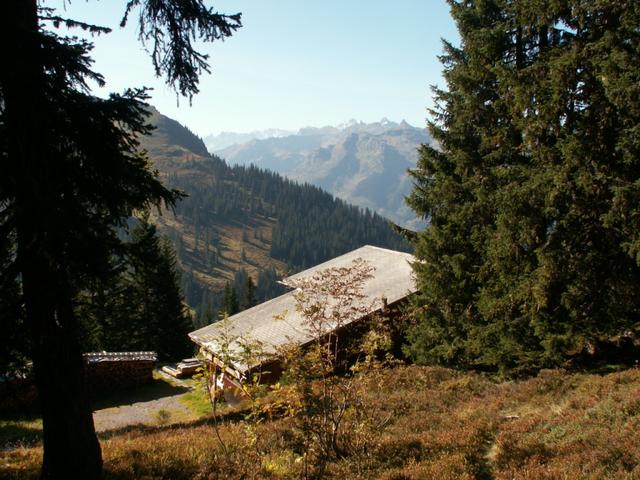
[[333, 260], [385, 250]]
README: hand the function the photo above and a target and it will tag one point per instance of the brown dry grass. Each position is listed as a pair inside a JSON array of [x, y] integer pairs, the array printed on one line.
[[420, 423], [257, 256]]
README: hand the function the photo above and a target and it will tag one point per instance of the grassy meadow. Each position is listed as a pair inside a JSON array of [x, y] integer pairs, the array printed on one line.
[[413, 423]]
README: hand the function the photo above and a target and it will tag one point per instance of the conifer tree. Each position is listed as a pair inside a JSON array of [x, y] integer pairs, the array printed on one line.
[[71, 175], [230, 300], [532, 195], [160, 320], [249, 295]]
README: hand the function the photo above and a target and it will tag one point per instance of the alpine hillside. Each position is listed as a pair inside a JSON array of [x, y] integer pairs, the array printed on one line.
[[243, 221]]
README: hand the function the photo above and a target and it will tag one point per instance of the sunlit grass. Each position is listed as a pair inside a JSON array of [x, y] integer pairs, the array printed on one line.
[[197, 401], [419, 423]]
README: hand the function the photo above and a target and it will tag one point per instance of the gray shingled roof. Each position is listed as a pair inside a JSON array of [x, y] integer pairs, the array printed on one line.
[[392, 280]]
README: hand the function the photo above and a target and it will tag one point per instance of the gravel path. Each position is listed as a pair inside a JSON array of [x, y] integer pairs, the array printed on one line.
[[146, 413], [157, 411]]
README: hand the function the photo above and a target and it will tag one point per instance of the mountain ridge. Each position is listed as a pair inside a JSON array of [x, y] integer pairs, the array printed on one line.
[[362, 163], [226, 139]]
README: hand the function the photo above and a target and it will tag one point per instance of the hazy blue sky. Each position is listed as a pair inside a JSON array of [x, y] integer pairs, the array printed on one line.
[[293, 63]]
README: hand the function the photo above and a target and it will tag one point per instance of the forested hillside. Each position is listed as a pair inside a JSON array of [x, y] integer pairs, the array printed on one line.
[[246, 222]]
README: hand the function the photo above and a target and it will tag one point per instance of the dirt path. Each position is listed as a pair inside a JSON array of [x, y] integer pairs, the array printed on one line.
[[153, 412], [157, 404]]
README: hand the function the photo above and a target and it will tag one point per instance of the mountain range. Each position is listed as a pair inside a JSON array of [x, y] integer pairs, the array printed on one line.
[[222, 140], [363, 163]]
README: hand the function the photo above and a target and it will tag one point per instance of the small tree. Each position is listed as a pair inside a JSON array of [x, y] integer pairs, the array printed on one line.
[[249, 296], [160, 314], [231, 351], [230, 300], [329, 301], [326, 410]]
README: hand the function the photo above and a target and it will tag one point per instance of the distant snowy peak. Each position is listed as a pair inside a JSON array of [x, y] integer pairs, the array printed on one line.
[[350, 123], [226, 139], [223, 140], [357, 126], [313, 131]]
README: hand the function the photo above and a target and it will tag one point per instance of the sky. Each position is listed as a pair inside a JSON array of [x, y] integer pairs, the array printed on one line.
[[294, 63]]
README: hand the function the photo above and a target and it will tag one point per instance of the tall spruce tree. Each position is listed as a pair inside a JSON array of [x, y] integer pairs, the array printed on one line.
[[532, 252], [159, 319], [71, 174]]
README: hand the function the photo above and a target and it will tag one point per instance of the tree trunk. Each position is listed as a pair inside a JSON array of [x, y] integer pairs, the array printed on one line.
[[71, 448]]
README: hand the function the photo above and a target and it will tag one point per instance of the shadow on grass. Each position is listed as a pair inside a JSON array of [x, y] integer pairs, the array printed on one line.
[[25, 428], [155, 389], [607, 356], [19, 432], [227, 417]]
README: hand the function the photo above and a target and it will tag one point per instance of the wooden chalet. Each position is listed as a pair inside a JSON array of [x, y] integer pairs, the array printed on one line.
[[276, 323]]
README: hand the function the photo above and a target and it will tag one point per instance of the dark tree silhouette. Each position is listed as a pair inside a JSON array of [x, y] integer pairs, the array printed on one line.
[[71, 174], [230, 300], [160, 318], [249, 294]]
